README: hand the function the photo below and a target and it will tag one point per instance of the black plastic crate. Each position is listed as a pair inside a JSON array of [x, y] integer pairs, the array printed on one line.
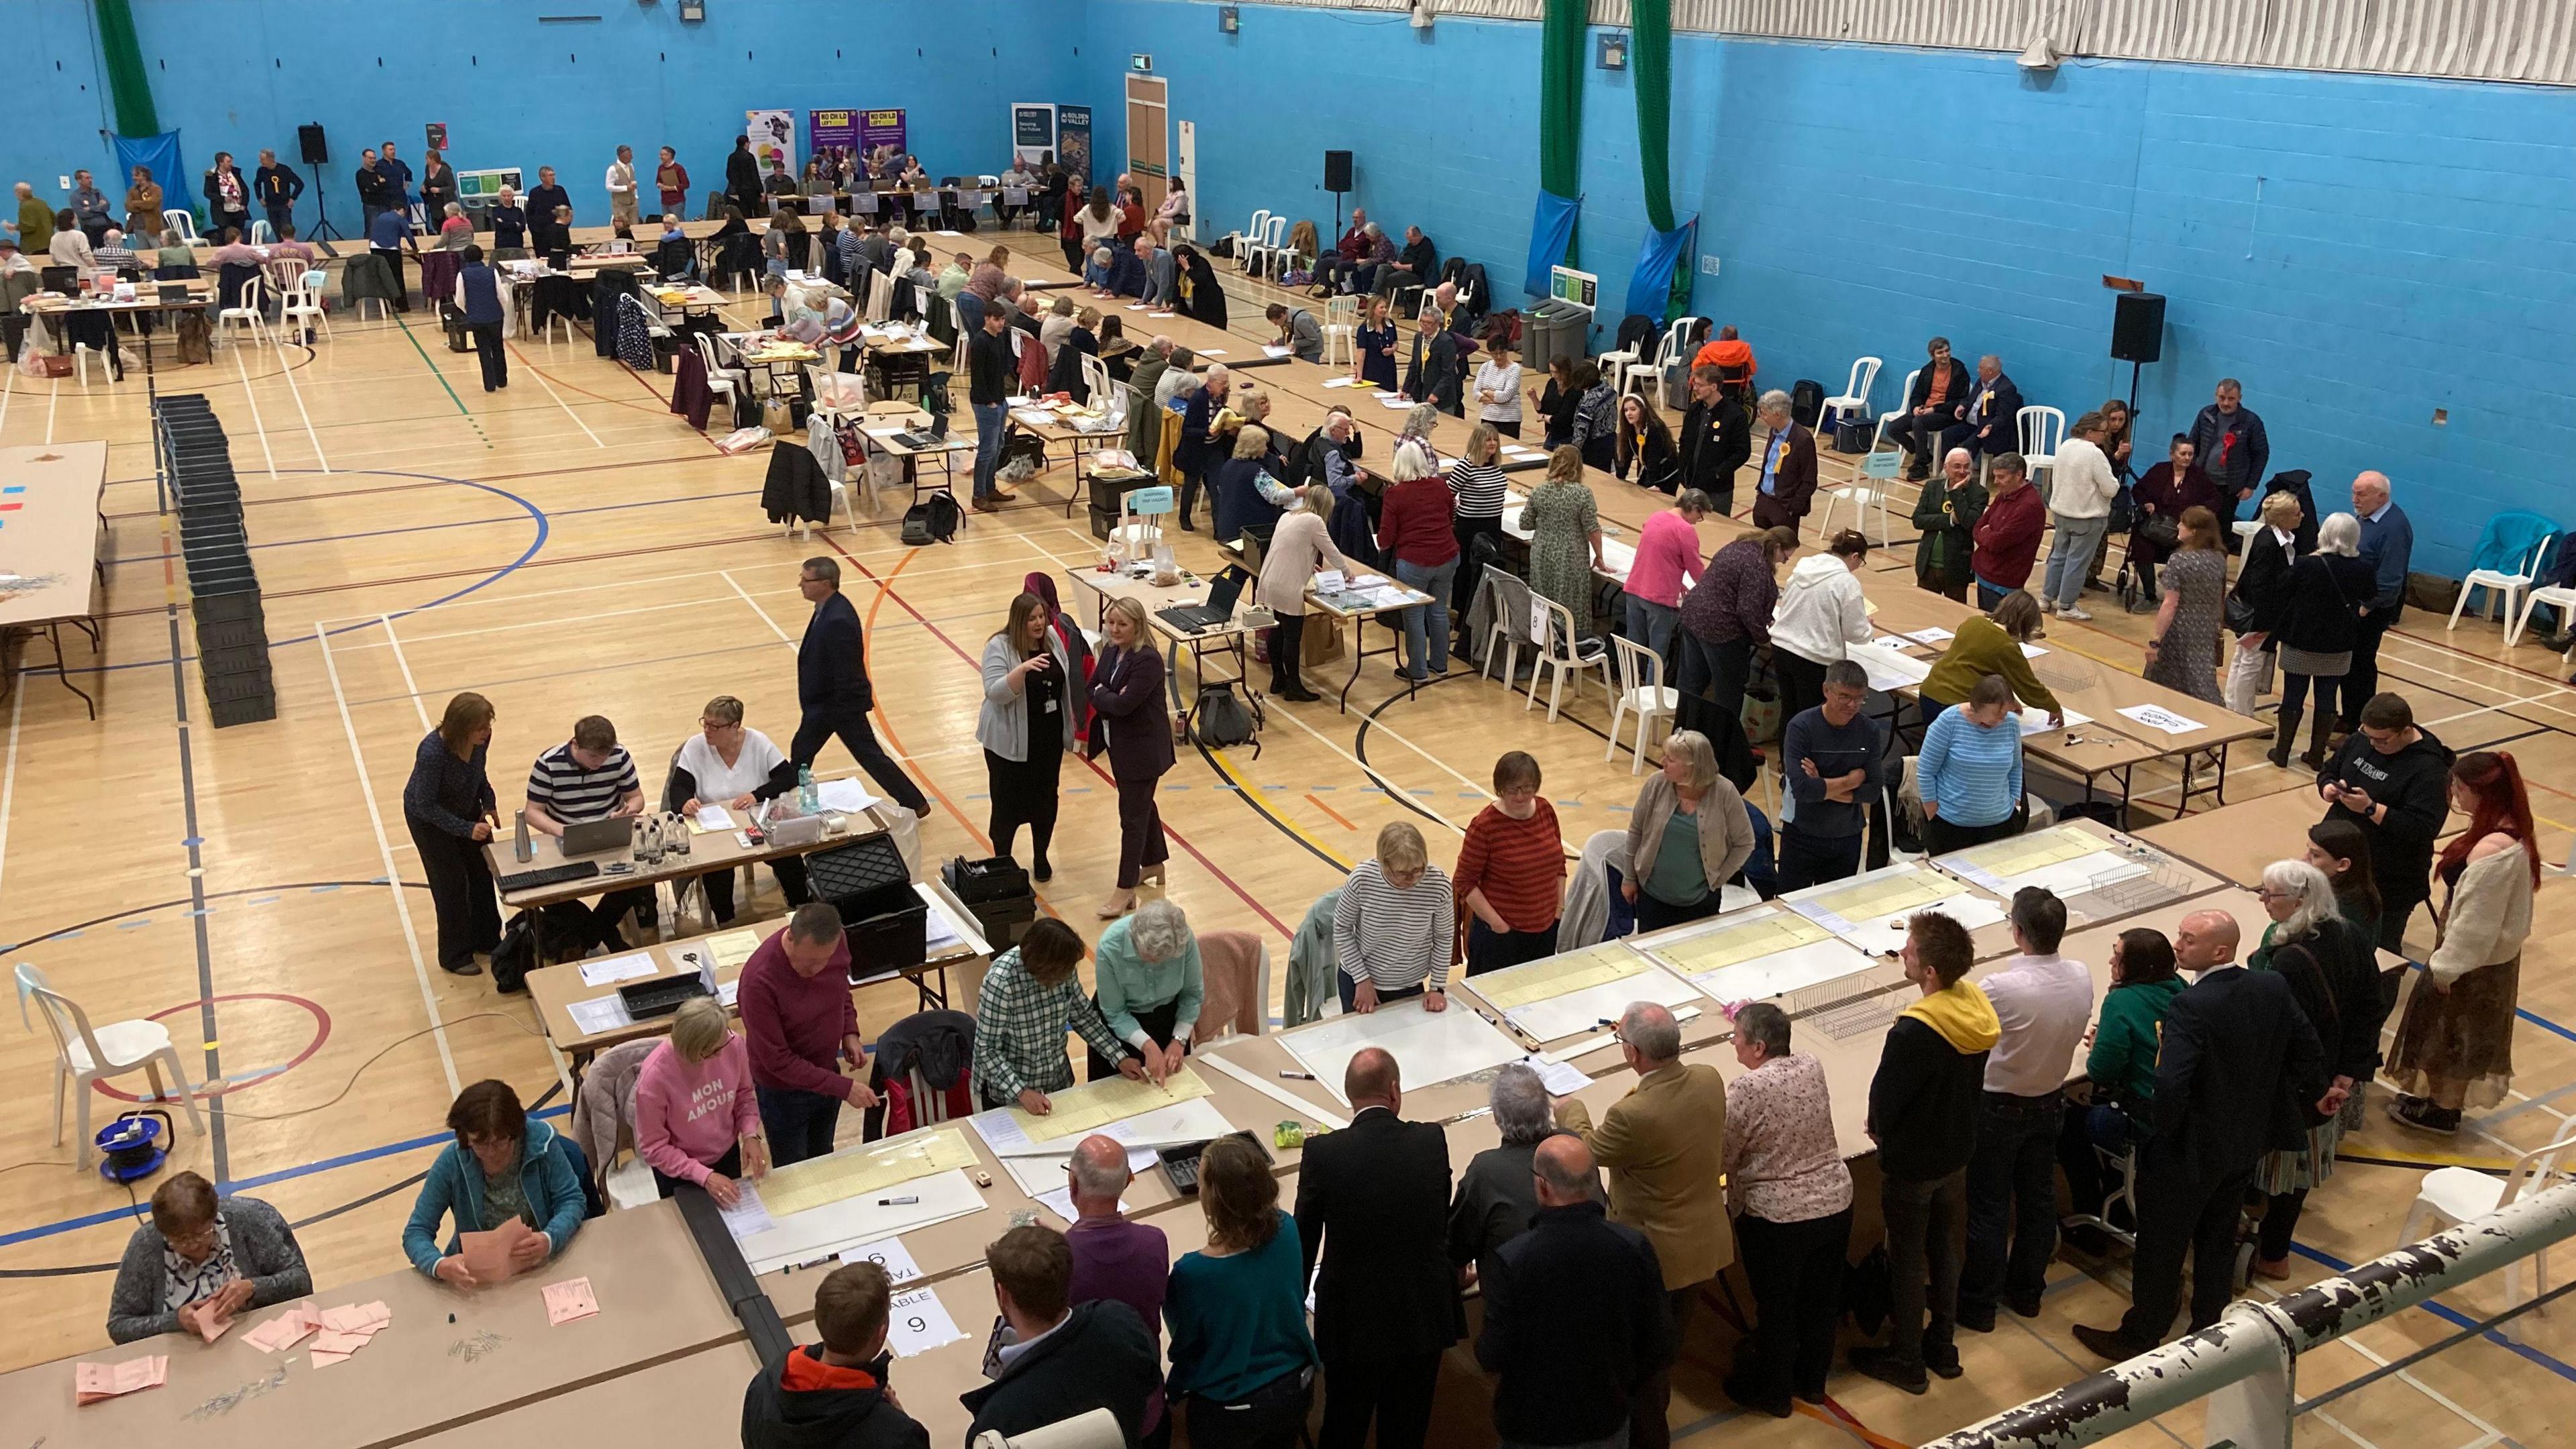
[[255, 710], [247, 657], [226, 688], [228, 608], [220, 634]]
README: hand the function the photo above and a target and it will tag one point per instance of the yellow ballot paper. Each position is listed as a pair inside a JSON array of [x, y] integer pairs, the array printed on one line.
[[733, 948], [1556, 976], [1094, 1105], [851, 1171]]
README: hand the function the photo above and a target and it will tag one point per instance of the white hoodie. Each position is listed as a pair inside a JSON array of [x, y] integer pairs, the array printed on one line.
[[2080, 482], [1821, 610]]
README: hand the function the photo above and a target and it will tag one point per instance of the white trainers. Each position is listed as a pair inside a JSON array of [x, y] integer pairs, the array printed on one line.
[[2077, 615]]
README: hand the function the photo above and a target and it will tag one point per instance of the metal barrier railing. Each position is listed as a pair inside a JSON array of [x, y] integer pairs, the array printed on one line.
[[2246, 1365]]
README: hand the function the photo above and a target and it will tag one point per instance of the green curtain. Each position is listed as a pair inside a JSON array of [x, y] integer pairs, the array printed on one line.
[[1651, 64], [1560, 103], [127, 82]]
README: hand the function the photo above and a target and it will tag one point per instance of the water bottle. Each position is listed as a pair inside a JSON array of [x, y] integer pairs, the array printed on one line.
[[524, 848], [808, 797], [679, 835]]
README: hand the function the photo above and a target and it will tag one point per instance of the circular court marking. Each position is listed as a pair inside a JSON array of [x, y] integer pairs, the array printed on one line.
[[239, 1081]]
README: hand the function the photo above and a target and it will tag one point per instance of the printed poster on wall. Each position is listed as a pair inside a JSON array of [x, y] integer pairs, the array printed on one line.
[[773, 137], [1032, 134], [1073, 139], [881, 136], [831, 133]]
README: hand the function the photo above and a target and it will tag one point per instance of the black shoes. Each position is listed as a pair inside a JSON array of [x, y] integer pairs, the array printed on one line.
[[1883, 1365], [1743, 1395], [2107, 1343]]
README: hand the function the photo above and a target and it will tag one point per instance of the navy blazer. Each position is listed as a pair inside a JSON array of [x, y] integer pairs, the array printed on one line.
[[832, 662], [2005, 409], [1127, 707], [2238, 1066]]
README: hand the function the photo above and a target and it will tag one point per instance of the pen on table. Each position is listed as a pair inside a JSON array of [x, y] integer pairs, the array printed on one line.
[[897, 1201]]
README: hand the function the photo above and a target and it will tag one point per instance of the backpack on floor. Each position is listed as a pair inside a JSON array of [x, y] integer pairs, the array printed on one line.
[[932, 520], [1223, 720]]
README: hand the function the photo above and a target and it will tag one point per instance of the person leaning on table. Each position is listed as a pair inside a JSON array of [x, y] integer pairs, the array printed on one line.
[[1989, 644], [697, 1117], [1969, 773], [1030, 999], [1687, 836], [501, 1166], [801, 1025], [200, 1258], [449, 807], [1151, 987], [1396, 925]]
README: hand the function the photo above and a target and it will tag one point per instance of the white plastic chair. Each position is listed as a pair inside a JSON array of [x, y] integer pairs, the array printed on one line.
[[880, 297], [84, 1054], [721, 380], [1904, 395], [251, 311], [1667, 349], [183, 222], [1561, 654], [1341, 331], [957, 324], [1250, 235], [82, 352], [2040, 430], [1638, 687], [2510, 586], [1270, 249], [260, 235], [1511, 623], [1878, 475], [837, 394], [1096, 382], [1855, 393], [2561, 599], [2465, 1194]]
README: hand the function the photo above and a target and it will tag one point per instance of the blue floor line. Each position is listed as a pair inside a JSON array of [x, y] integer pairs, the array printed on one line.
[[2451, 1316]]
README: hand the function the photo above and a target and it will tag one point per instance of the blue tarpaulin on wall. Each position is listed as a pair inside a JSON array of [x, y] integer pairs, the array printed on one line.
[[1551, 232], [160, 154], [1651, 287]]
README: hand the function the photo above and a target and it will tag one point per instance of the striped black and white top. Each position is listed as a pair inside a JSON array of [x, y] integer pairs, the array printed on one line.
[[1479, 487], [1395, 939], [571, 794]]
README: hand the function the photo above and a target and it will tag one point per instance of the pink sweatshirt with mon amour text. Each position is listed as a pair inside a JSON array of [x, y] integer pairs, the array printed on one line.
[[689, 1114]]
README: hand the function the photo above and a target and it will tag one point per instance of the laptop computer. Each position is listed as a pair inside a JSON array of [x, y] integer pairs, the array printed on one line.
[[1223, 590], [593, 836]]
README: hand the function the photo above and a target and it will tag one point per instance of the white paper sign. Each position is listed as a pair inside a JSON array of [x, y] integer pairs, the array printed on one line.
[[1560, 1079], [715, 817], [608, 970], [889, 1254], [607, 1013], [1538, 621], [919, 1322], [748, 1215], [2155, 717]]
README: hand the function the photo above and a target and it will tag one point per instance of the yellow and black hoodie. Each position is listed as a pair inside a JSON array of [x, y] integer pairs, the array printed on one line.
[[1931, 1074]]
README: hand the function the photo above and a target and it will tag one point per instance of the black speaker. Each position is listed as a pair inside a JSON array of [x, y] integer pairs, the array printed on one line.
[[315, 151], [2138, 327], [1337, 171]]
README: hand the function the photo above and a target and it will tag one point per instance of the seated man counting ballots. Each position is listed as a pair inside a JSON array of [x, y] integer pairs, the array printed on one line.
[[1030, 999], [591, 777], [502, 1166], [800, 1024]]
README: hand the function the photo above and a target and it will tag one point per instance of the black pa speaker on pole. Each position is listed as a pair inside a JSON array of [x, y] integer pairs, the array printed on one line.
[[1337, 179], [2138, 327], [316, 151]]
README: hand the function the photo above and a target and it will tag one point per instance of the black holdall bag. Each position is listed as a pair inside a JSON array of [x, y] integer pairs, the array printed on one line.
[[1806, 402], [1222, 720], [973, 882]]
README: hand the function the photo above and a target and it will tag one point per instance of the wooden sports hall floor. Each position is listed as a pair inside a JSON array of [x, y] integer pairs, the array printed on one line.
[[570, 547]]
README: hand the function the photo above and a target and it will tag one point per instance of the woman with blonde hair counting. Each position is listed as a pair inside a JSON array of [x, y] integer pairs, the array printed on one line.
[[1687, 836], [697, 1119]]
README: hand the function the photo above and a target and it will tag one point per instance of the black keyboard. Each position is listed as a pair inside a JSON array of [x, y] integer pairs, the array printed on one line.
[[528, 880]]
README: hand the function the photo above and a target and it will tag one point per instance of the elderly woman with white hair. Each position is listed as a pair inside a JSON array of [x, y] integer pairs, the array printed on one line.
[[1688, 836], [2322, 601], [1395, 926], [1416, 534], [1496, 1200], [1300, 544], [1792, 1197], [1151, 987], [2333, 969]]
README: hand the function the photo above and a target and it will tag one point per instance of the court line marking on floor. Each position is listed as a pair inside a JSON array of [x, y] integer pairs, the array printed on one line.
[[253, 404], [410, 687], [9, 773], [53, 396], [559, 402], [2405, 1376], [310, 435], [2541, 698], [384, 849]]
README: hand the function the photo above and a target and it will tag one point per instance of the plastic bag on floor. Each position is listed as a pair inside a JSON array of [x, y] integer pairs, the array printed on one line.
[[743, 440]]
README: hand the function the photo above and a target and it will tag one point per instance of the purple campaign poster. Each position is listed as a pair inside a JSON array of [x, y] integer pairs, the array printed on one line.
[[881, 135], [836, 132], [1073, 139]]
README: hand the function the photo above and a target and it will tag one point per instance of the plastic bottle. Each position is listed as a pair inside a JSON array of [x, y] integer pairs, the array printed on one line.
[[524, 848], [808, 796], [679, 829]]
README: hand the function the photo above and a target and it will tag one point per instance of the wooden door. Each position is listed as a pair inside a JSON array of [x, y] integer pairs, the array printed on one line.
[[1148, 137]]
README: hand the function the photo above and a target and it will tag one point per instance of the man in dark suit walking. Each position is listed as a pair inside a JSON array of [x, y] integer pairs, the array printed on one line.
[[1373, 1200], [1786, 487], [2237, 1065], [832, 686]]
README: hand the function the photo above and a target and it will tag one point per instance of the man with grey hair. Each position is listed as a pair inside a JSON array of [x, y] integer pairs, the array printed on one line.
[[1576, 1332], [1150, 984], [1786, 487], [1114, 1259], [1495, 1203], [800, 1028], [1145, 412], [1663, 1144], [2388, 546], [1831, 756], [1994, 410]]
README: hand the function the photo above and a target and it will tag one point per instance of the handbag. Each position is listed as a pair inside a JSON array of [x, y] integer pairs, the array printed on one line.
[[2160, 530], [2316, 972]]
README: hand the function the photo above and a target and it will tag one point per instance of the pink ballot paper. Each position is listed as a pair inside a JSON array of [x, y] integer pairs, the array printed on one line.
[[569, 1300], [211, 1328], [487, 1255], [92, 1382], [284, 1330]]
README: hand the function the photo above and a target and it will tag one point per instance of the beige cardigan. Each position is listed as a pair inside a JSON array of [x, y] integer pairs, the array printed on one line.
[[1298, 546], [2487, 918], [1722, 850]]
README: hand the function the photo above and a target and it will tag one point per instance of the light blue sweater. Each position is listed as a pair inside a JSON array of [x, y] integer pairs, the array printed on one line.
[[1971, 771]]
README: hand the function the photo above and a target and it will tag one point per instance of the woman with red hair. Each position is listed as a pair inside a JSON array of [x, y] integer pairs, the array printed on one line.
[[2454, 1046]]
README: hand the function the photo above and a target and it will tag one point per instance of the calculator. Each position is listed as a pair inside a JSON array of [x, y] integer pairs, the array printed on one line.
[[1181, 1162]]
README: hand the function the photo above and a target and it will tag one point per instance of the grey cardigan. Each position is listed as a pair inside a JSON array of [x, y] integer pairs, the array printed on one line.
[[1722, 850], [1002, 725], [263, 1249]]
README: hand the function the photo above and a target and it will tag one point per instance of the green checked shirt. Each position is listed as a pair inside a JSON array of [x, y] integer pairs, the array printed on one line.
[[1020, 1026]]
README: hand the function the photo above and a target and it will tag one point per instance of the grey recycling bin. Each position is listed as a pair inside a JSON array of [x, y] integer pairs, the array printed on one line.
[[1557, 329]]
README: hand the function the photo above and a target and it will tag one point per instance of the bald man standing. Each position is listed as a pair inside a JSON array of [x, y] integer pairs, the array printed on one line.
[[1373, 1202], [1575, 1322], [2238, 1067], [1114, 1259], [2388, 546], [1665, 1146]]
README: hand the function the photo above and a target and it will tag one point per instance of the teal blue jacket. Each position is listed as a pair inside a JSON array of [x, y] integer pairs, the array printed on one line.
[[455, 1187]]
